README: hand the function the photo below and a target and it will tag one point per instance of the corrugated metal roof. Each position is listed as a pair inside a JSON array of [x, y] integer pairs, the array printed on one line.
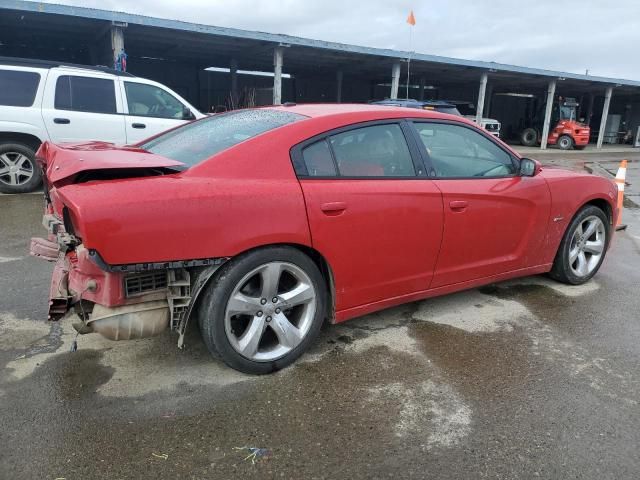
[[96, 14]]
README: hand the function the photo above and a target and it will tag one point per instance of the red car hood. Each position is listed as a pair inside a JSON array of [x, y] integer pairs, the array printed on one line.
[[64, 162]]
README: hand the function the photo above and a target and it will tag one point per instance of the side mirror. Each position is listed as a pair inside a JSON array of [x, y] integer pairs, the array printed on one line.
[[529, 167], [187, 114]]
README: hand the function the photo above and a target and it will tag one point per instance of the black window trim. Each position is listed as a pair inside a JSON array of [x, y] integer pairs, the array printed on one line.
[[407, 131], [427, 161], [115, 93]]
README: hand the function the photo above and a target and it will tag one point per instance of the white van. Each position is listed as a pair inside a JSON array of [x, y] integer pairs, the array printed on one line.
[[42, 100]]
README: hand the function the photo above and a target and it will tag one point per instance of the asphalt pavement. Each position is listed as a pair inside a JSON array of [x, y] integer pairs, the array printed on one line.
[[522, 379]]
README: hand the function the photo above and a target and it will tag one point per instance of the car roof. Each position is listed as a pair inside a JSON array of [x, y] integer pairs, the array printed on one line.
[[375, 111], [412, 101], [48, 64]]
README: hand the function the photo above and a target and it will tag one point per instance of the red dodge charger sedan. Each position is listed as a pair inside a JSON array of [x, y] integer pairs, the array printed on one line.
[[260, 224]]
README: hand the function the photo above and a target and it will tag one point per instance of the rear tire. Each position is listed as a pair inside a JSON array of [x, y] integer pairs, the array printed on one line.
[[565, 142], [583, 247], [529, 137], [263, 309], [18, 170]]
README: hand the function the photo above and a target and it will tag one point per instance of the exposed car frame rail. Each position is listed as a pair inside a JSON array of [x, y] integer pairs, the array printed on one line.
[[142, 267], [183, 286]]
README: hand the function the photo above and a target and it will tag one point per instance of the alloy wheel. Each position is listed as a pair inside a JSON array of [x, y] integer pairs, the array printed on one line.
[[270, 311], [587, 246], [15, 168]]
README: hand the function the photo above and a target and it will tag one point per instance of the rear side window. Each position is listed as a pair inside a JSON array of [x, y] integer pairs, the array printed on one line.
[[197, 141], [85, 94], [17, 88], [375, 151]]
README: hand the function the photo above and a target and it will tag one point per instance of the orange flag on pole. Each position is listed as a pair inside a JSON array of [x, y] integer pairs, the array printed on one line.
[[411, 20]]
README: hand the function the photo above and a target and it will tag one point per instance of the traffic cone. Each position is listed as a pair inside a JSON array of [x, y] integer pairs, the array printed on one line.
[[620, 179]]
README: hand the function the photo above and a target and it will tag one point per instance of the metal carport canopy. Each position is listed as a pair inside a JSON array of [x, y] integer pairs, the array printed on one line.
[[209, 45]]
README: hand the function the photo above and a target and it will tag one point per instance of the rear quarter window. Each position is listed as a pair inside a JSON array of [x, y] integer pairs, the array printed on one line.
[[18, 88], [197, 141]]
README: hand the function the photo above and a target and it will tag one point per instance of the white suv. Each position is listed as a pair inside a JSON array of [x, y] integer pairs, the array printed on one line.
[[62, 103]]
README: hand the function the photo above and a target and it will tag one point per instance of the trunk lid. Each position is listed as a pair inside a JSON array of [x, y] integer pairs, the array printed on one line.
[[81, 162]]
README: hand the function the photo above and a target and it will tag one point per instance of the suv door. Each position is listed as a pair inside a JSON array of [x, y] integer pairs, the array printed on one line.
[[495, 220], [372, 211], [151, 109], [82, 107]]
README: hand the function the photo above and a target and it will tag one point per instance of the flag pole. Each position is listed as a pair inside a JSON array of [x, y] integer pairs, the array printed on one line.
[[411, 20], [409, 59]]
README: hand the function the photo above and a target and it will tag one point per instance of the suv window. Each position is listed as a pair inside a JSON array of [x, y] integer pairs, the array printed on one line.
[[151, 101], [197, 141], [457, 151], [85, 94], [375, 151], [18, 88]]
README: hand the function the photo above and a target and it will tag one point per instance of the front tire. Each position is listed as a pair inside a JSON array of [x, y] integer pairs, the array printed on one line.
[[263, 309], [583, 247], [18, 170], [565, 142]]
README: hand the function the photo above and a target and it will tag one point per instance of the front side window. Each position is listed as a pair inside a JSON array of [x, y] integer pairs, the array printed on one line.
[[457, 151], [85, 94], [374, 151], [151, 101], [18, 88], [197, 141]]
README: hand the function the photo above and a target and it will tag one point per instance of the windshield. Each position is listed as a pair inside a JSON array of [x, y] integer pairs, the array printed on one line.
[[200, 140], [567, 113]]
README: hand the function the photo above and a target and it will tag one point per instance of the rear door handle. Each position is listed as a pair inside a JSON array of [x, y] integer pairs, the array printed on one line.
[[62, 121], [333, 208], [138, 125], [458, 205]]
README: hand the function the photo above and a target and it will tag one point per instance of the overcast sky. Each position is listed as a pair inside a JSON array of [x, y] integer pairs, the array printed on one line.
[[601, 36]]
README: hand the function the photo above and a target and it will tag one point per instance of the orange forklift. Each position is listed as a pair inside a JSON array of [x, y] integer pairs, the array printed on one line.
[[565, 130]]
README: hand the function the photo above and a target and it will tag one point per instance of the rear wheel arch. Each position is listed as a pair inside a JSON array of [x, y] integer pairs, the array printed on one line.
[[25, 139], [317, 258]]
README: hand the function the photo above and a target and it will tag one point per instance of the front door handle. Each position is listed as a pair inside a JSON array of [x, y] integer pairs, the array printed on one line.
[[458, 205], [62, 121], [333, 208], [138, 125]]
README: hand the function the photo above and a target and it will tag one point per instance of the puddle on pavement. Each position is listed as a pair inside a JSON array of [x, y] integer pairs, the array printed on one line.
[[488, 349], [419, 379]]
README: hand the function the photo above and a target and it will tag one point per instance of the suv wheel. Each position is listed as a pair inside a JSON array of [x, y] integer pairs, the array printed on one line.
[[263, 309], [18, 170]]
